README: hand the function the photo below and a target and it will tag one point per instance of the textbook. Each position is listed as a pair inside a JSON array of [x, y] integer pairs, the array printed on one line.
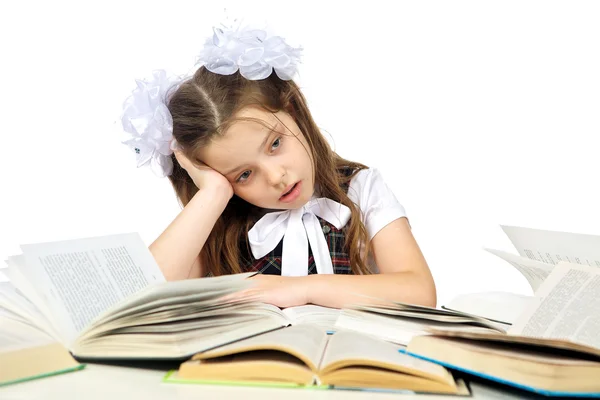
[[543, 366], [538, 252], [105, 298], [552, 349], [398, 322], [304, 356]]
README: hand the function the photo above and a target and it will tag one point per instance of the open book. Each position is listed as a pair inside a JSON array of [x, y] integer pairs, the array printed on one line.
[[305, 356], [553, 348], [399, 322], [105, 298], [540, 250]]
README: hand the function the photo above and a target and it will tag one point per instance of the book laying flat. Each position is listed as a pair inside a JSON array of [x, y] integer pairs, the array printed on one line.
[[552, 349], [105, 298], [31, 354], [543, 366], [305, 356], [399, 322]]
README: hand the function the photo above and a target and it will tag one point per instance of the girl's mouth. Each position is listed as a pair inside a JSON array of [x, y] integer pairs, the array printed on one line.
[[292, 194]]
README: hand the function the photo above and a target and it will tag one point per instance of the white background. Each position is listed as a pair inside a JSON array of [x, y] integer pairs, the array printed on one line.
[[477, 113]]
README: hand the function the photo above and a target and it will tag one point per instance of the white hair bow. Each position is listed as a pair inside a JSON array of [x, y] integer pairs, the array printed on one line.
[[148, 121], [146, 117], [250, 51]]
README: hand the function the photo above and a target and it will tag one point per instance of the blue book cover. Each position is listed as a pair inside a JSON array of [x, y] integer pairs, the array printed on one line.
[[503, 381]]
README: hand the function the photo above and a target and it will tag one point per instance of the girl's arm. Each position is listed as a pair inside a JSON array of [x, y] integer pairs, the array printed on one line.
[[404, 276], [177, 249]]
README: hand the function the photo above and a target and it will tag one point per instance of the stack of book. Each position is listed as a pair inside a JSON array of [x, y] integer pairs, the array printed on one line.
[[104, 299], [553, 348], [548, 343]]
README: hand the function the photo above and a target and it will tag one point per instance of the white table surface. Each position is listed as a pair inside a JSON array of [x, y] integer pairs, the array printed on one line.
[[109, 382]]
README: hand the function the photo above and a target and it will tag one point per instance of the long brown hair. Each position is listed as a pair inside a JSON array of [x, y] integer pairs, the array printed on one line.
[[204, 106]]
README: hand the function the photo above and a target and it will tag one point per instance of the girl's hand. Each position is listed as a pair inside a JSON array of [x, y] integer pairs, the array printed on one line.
[[204, 176], [281, 291]]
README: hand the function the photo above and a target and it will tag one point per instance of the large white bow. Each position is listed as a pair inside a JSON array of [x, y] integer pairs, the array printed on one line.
[[295, 227]]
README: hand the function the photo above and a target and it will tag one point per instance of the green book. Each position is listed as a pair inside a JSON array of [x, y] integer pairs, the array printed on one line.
[[19, 364]]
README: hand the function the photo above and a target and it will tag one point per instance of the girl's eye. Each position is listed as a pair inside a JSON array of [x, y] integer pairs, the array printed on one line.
[[244, 176], [276, 144]]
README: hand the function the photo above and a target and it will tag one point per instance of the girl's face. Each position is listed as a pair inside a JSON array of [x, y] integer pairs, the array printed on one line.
[[270, 167]]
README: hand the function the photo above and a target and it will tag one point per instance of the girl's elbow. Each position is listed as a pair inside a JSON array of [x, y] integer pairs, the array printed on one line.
[[428, 293], [417, 288], [430, 299], [432, 293]]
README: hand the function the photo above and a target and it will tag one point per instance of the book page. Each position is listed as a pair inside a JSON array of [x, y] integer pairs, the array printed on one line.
[[13, 302], [426, 317], [566, 306], [561, 344], [552, 247], [6, 313], [534, 271], [323, 317], [351, 348], [202, 292], [28, 291], [78, 279], [398, 330], [11, 299], [3, 277], [303, 341], [16, 335]]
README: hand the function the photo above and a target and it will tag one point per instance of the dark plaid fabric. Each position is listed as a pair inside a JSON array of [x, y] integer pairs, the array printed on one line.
[[271, 263]]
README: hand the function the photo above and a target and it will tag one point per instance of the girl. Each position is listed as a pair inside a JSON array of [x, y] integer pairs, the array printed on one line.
[[262, 190]]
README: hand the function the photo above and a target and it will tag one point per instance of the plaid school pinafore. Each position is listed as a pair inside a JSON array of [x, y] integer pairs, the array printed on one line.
[[271, 263]]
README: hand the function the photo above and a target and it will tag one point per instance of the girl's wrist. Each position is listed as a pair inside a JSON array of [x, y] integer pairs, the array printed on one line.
[[219, 191], [211, 201], [219, 194]]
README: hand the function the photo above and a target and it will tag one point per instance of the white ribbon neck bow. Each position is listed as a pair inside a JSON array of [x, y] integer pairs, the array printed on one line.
[[295, 227]]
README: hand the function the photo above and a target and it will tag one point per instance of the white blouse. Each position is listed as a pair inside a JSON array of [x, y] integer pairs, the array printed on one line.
[[299, 227], [375, 199]]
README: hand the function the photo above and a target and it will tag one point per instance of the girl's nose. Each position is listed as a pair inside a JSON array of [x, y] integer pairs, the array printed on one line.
[[275, 175]]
